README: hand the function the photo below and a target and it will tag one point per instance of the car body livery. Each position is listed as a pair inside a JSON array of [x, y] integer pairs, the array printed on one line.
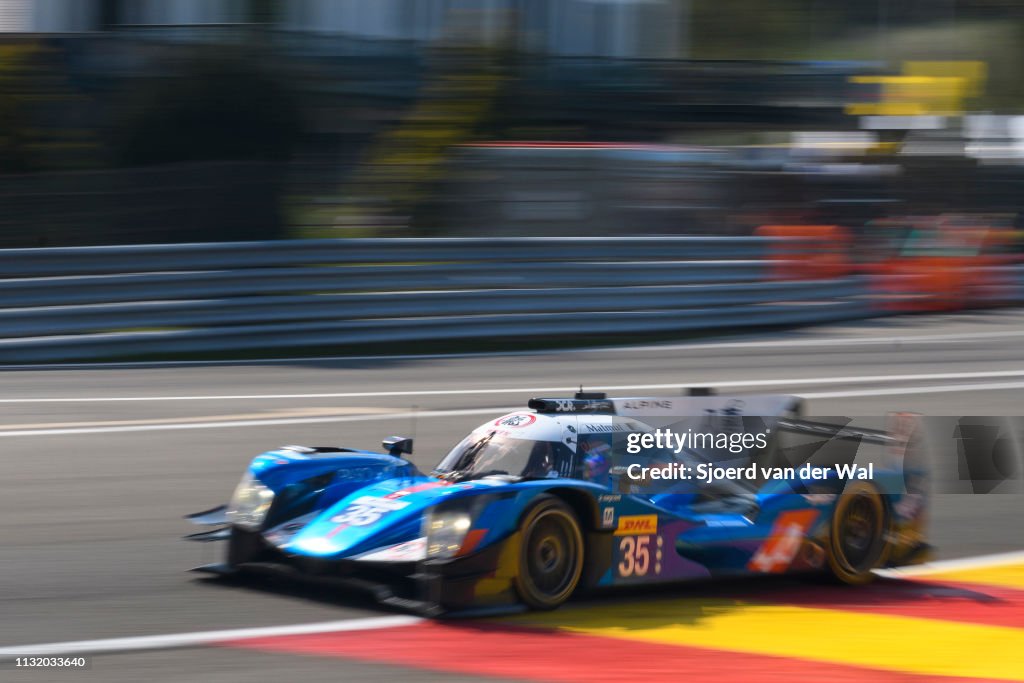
[[535, 505]]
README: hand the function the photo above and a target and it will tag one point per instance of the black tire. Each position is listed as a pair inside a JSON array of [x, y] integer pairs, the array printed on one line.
[[551, 554], [857, 539]]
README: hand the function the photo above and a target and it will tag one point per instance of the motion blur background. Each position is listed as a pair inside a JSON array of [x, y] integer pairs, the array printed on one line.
[[145, 121], [202, 185], [871, 151]]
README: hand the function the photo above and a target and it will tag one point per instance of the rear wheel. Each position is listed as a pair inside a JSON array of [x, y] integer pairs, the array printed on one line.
[[857, 541], [551, 555]]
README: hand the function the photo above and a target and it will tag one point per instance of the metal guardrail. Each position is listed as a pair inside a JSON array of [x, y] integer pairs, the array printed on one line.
[[56, 291], [213, 256], [150, 301]]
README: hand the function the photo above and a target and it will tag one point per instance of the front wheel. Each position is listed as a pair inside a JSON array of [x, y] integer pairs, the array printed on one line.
[[857, 543], [551, 554]]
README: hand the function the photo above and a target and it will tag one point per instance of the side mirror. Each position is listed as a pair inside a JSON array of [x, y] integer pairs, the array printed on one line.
[[397, 445]]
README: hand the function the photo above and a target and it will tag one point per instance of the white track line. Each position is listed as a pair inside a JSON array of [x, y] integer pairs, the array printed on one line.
[[901, 339], [903, 391], [560, 390], [954, 565], [175, 640], [194, 639], [257, 423], [894, 391]]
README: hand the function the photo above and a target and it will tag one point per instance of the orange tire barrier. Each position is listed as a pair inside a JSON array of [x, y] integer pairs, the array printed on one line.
[[807, 252]]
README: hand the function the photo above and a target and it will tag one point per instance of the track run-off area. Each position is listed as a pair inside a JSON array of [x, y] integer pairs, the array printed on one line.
[[101, 462]]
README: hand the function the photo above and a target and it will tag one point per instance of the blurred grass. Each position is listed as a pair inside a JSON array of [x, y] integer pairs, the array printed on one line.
[[313, 218], [998, 42]]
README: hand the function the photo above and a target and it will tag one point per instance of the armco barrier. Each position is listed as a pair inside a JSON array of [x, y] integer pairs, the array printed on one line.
[[153, 300], [57, 291], [215, 256]]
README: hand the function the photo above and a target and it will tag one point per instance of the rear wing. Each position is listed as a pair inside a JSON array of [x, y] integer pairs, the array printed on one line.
[[831, 431], [768, 405]]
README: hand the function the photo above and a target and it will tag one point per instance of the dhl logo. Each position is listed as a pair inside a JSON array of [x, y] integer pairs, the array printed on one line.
[[637, 525]]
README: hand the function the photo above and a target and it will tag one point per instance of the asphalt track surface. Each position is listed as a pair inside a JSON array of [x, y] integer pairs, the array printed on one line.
[[101, 462]]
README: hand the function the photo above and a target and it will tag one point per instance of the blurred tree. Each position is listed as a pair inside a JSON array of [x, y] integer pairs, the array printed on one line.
[[216, 108], [110, 14], [14, 150], [15, 120], [752, 29], [43, 116], [263, 11]]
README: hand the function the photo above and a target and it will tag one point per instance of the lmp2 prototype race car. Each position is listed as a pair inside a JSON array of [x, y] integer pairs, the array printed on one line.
[[536, 505]]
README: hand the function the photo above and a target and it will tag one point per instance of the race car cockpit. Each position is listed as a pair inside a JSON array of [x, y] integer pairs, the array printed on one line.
[[491, 453]]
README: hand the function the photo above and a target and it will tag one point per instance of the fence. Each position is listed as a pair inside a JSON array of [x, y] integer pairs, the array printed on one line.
[[154, 300]]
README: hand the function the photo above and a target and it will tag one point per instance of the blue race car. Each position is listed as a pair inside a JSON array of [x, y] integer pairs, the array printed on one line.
[[536, 505]]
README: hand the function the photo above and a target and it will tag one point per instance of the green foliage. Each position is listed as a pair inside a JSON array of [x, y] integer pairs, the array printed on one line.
[[14, 152], [263, 11], [15, 121], [755, 29]]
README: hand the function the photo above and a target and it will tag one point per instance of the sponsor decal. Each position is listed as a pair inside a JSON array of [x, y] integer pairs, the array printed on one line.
[[568, 405], [415, 489], [605, 428], [784, 542], [415, 549], [608, 517], [359, 473], [388, 504], [516, 421], [637, 525], [367, 510], [639, 555], [643, 405]]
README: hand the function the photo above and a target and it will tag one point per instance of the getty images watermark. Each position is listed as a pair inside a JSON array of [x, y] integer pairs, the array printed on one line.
[[667, 440], [954, 454]]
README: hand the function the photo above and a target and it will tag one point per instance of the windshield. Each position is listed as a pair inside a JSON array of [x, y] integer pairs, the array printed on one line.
[[483, 454]]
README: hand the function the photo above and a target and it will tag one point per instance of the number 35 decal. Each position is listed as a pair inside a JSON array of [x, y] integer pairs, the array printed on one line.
[[639, 555]]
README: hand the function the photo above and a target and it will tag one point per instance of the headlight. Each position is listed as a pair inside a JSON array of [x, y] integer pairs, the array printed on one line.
[[250, 503], [445, 531]]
